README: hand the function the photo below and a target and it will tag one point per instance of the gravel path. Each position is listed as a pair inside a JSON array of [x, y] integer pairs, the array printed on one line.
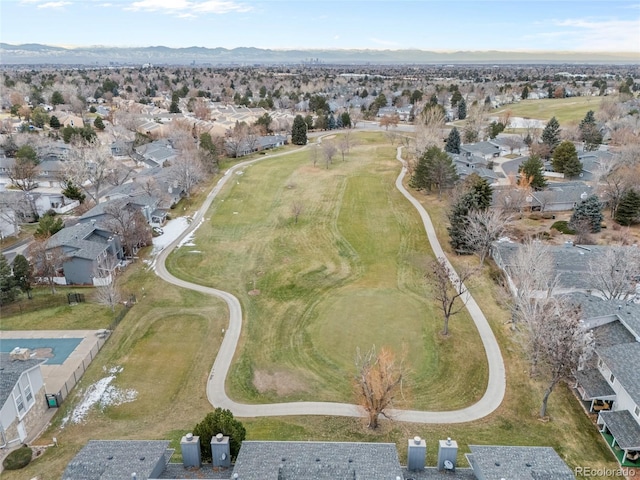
[[216, 386]]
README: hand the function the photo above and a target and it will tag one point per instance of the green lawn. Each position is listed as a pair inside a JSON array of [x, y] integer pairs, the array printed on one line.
[[566, 110], [347, 276]]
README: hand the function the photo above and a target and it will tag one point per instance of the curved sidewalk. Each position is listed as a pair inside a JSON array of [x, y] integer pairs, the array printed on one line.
[[216, 392]]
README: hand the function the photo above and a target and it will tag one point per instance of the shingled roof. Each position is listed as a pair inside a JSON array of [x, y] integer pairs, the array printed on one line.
[[10, 371], [623, 361], [491, 462]]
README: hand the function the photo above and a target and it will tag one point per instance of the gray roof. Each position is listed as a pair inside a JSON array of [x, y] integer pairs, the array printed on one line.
[[317, 460], [561, 193], [485, 148], [79, 241], [624, 428], [501, 462], [117, 460], [572, 262], [10, 371], [623, 361], [628, 313], [594, 384]]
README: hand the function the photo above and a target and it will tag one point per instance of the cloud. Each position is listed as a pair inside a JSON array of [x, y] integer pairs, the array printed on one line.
[[189, 8], [599, 35], [53, 4]]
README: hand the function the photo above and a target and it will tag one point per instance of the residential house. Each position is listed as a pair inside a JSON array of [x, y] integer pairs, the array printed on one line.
[[486, 150], [22, 397], [264, 460], [86, 248], [155, 154], [560, 197], [129, 195], [70, 120], [610, 385]]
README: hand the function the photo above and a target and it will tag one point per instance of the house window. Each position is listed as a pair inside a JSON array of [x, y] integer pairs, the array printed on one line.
[[612, 378], [637, 411], [20, 404], [27, 394]]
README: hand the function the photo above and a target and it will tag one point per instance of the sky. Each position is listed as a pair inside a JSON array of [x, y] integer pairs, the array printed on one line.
[[439, 25]]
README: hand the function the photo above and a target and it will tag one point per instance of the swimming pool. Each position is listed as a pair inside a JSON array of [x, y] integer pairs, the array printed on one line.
[[61, 348]]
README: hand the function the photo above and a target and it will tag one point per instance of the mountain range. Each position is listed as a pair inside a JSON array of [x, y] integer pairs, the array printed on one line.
[[38, 54]]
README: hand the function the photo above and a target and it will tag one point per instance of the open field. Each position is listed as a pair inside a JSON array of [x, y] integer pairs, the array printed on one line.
[[346, 276], [566, 110], [166, 344]]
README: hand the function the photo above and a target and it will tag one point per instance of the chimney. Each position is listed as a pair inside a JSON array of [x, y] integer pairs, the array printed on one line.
[[220, 451], [190, 447], [416, 454], [447, 454]]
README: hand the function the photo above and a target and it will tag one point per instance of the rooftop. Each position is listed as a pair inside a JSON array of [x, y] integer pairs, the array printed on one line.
[[10, 371], [624, 428], [623, 361]]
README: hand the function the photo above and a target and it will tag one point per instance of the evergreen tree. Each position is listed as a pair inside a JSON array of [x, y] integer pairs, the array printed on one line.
[[346, 119], [73, 192], [7, 282], [481, 193], [551, 134], [57, 98], [588, 211], [54, 122], [331, 122], [455, 98], [462, 109], [565, 159], [628, 211], [459, 223], [589, 132], [525, 92], [453, 141], [532, 169], [98, 123], [48, 225], [220, 421], [22, 274], [174, 108], [435, 169], [299, 131]]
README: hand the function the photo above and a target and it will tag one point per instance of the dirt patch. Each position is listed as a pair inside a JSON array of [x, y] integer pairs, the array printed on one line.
[[281, 382], [254, 292]]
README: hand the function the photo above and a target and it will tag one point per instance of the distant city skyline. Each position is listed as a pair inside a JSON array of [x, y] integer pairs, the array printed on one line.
[[541, 25]]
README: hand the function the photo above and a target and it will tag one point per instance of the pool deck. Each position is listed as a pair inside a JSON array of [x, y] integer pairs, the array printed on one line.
[[55, 376]]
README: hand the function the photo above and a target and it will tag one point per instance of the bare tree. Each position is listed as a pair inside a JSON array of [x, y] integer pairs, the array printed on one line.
[[23, 174], [47, 262], [297, 207], [329, 151], [563, 345], [377, 384], [188, 171], [128, 222], [513, 142], [448, 287], [313, 153], [88, 166], [532, 271], [484, 228], [346, 143], [107, 293], [429, 126], [389, 121], [612, 274]]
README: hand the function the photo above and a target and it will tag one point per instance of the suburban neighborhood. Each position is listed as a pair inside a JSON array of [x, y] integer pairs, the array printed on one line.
[[339, 263]]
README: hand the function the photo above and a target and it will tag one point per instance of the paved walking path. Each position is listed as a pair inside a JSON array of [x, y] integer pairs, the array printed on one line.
[[216, 386]]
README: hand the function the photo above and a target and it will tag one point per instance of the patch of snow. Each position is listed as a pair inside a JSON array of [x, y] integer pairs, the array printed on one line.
[[103, 394], [172, 230]]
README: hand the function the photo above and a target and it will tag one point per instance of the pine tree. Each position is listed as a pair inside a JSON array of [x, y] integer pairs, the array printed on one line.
[[525, 92], [628, 211], [435, 169], [480, 190], [22, 274], [54, 122], [98, 123], [299, 131], [459, 223], [462, 109], [551, 134], [532, 169], [453, 141], [565, 159], [589, 132], [588, 211], [331, 122], [7, 282]]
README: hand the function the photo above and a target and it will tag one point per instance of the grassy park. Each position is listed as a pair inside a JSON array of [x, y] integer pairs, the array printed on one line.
[[347, 274], [566, 110]]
